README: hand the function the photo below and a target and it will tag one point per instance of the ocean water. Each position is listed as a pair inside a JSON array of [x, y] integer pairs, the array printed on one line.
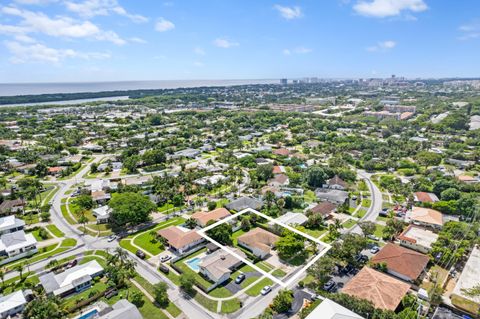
[[10, 89]]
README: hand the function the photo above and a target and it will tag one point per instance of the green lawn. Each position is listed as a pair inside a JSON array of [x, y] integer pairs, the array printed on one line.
[[148, 239], [349, 223], [55, 231], [279, 273], [255, 290], [230, 306], [171, 308], [235, 235], [314, 232], [309, 196], [361, 212], [36, 234], [366, 203], [67, 216], [126, 244], [264, 266], [379, 231], [248, 281], [220, 292], [205, 302]]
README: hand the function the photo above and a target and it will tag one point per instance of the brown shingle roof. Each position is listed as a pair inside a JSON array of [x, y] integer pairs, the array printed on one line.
[[281, 151], [382, 290], [178, 238], [402, 260], [259, 238], [335, 180], [426, 215], [324, 208], [279, 178], [204, 217], [425, 197]]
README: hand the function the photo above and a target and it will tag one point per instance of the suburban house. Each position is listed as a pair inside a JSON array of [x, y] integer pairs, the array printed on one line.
[[425, 217], [279, 170], [16, 245], [244, 203], [279, 180], [417, 238], [10, 206], [180, 239], [291, 218], [281, 152], [383, 291], [10, 224], [122, 309], [258, 241], [324, 208], [424, 197], [13, 303], [401, 262], [336, 196], [100, 197], [336, 183], [55, 170], [468, 179], [219, 265], [72, 280], [329, 309], [102, 214], [202, 218]]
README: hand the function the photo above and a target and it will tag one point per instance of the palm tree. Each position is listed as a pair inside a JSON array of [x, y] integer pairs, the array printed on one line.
[[83, 220], [19, 268]]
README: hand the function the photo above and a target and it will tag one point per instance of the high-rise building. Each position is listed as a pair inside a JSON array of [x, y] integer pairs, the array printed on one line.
[[283, 81]]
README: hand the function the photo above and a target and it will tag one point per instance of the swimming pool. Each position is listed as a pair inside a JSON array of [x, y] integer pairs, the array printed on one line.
[[89, 314], [194, 263]]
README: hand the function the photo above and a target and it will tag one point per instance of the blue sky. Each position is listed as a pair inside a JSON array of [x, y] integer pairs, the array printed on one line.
[[105, 40]]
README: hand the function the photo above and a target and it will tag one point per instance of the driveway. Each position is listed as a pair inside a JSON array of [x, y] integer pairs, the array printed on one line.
[[298, 297], [234, 288]]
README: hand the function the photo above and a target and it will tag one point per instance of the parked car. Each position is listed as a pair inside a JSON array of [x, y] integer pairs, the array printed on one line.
[[375, 249], [165, 258], [373, 237], [266, 290], [72, 263], [140, 254], [111, 293], [164, 269], [111, 238], [329, 285], [240, 278], [361, 258]]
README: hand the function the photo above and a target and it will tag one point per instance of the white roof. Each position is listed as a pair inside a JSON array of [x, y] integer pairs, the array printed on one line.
[[291, 218], [329, 309], [9, 222], [102, 211], [12, 301], [16, 240]]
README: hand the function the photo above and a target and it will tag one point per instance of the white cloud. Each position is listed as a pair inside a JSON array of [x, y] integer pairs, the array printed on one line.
[[199, 51], [388, 8], [469, 31], [137, 40], [163, 25], [23, 53], [289, 13], [60, 26], [382, 46], [35, 2], [91, 8], [297, 50], [225, 43]]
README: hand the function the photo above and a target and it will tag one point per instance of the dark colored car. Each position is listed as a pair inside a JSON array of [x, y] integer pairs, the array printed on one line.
[[73, 263], [239, 278], [164, 269], [329, 286], [140, 254]]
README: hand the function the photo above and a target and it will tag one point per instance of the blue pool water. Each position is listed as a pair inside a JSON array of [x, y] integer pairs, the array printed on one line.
[[194, 263], [88, 314]]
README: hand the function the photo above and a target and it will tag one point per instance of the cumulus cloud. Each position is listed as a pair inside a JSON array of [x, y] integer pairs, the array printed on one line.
[[382, 46], [60, 26], [289, 13], [37, 52], [225, 43], [388, 8], [91, 8], [163, 25]]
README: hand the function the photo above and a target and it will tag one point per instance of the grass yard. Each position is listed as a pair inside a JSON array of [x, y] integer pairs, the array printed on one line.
[[361, 212], [314, 232], [264, 266], [205, 302], [148, 239], [230, 306], [248, 281], [55, 231], [171, 308], [366, 203], [127, 244], [379, 231], [349, 223], [279, 273], [255, 290], [465, 304], [67, 216], [220, 292], [235, 235], [309, 196]]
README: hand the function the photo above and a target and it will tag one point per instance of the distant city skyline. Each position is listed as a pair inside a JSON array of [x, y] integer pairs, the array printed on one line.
[[120, 40]]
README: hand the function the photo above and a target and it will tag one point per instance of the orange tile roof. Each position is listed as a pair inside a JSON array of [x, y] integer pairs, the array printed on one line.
[[324, 208], [204, 217], [178, 238], [426, 215], [425, 197], [281, 151], [259, 238], [382, 290], [401, 260]]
